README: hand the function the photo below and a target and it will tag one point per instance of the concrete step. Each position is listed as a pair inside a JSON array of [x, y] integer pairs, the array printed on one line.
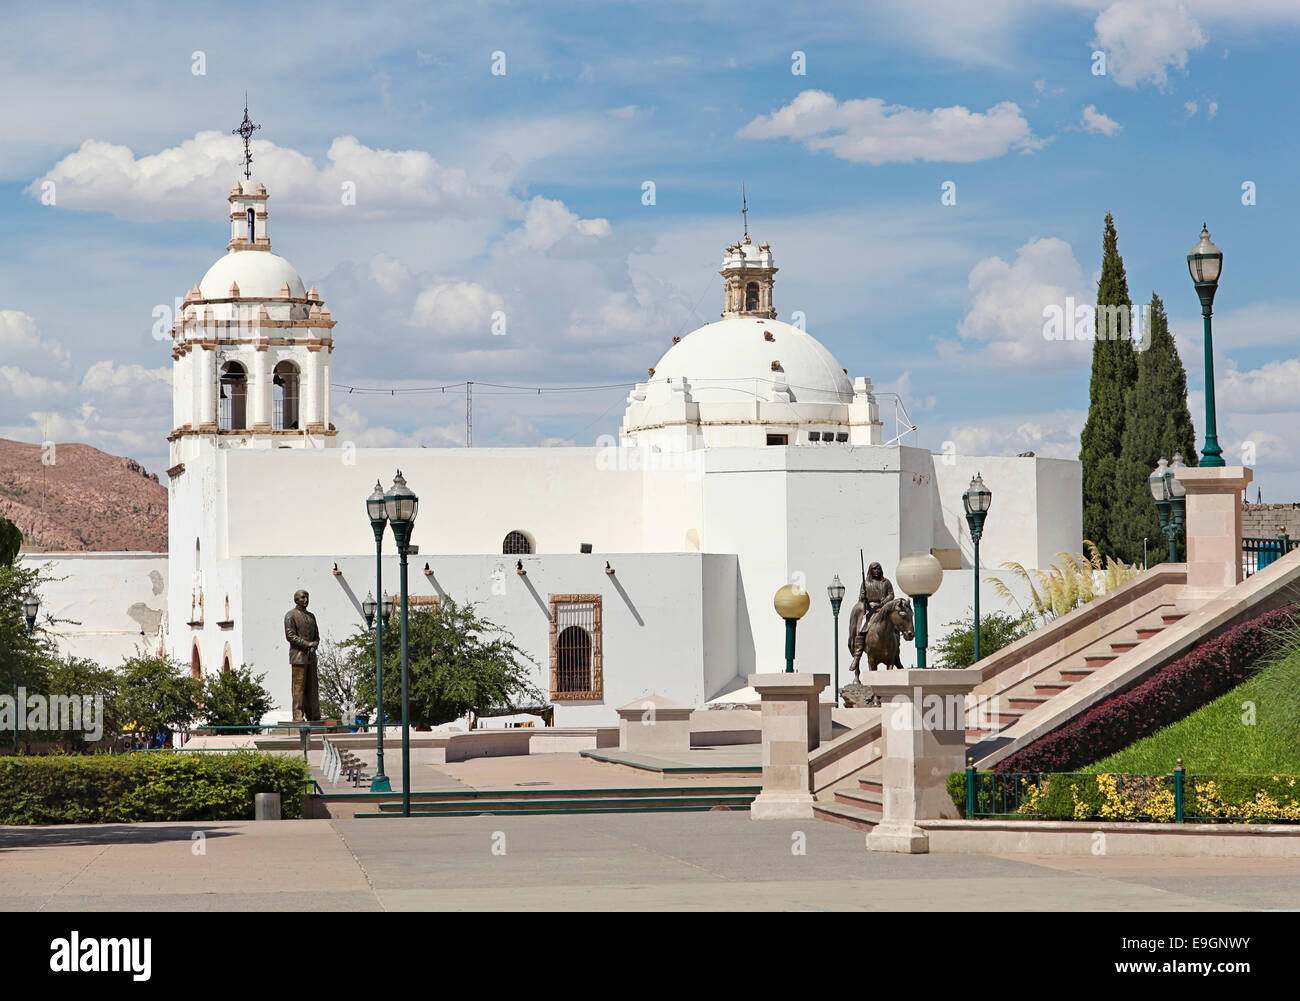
[[1027, 702], [1050, 688], [1077, 674], [869, 801], [872, 785], [1123, 646], [1171, 617], [567, 805], [1147, 632], [1096, 660], [849, 816]]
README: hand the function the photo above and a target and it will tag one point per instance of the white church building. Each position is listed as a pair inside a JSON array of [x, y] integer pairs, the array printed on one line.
[[747, 459]]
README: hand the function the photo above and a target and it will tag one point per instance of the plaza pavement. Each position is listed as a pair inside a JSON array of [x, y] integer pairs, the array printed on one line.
[[704, 861]]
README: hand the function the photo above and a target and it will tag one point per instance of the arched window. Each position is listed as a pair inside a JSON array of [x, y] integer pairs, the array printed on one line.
[[196, 662], [573, 660], [751, 296], [285, 382], [234, 397], [252, 225], [225, 658], [517, 544]]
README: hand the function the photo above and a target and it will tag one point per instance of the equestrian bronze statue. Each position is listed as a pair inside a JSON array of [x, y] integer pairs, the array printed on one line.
[[877, 622]]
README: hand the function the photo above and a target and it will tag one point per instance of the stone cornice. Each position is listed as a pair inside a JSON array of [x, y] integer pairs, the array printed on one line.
[[210, 430]]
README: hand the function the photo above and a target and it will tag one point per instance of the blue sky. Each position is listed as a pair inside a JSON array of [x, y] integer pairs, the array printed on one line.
[[522, 192]]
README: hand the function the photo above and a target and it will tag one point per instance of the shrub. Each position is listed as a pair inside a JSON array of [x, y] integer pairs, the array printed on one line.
[[1063, 587], [235, 698], [1202, 674], [147, 786], [1147, 798], [997, 629]]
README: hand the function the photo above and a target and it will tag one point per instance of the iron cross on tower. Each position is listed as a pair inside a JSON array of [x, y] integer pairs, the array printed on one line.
[[744, 211], [245, 131]]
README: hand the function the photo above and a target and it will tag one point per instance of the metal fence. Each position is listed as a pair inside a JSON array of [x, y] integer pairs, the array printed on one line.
[[1173, 798], [1257, 553]]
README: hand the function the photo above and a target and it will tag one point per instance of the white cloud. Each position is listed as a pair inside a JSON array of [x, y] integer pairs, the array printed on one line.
[[456, 308], [1190, 107], [1053, 435], [187, 181], [1004, 324], [21, 344], [1270, 387], [1094, 121], [1144, 39], [548, 222], [870, 131], [131, 383]]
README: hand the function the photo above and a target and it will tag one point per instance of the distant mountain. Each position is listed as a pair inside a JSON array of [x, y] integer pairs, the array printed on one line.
[[94, 502]]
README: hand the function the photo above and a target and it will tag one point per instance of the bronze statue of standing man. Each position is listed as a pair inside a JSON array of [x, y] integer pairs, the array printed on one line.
[[301, 632]]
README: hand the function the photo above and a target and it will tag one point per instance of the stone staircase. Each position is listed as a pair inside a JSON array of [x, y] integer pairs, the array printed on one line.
[[857, 799], [505, 802]]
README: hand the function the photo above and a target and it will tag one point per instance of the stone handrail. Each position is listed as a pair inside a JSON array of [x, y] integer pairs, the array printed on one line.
[[845, 754]]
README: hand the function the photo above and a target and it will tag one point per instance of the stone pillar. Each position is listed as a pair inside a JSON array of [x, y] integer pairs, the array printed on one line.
[[654, 724], [309, 414], [1213, 528], [791, 718], [207, 372], [923, 722], [261, 390]]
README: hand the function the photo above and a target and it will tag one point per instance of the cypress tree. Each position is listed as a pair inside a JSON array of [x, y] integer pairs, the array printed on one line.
[[1156, 423], [1114, 370]]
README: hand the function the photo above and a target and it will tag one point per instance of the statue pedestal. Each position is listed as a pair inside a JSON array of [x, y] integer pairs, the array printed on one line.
[[923, 722], [1213, 528], [790, 715]]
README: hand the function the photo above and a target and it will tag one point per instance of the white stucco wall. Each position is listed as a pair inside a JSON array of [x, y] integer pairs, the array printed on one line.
[[656, 637], [115, 602]]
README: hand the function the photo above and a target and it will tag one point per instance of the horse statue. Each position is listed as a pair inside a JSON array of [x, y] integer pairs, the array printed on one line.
[[877, 634]]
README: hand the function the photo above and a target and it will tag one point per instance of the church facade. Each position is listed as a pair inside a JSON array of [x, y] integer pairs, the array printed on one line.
[[747, 459]]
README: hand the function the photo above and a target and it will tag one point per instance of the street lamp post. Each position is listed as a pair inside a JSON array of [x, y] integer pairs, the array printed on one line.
[[400, 505], [976, 500], [1205, 262], [375, 509], [919, 575], [791, 604], [1169, 495], [835, 591]]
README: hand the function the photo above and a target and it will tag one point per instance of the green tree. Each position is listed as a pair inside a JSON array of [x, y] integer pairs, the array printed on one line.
[[1157, 423], [81, 678], [158, 693], [235, 698], [343, 670], [459, 663], [25, 658], [997, 629], [1114, 371], [11, 540]]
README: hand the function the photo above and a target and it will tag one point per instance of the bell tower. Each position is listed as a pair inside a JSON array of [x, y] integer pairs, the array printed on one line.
[[748, 274]]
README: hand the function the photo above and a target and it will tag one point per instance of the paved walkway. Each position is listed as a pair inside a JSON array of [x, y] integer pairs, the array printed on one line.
[[710, 861]]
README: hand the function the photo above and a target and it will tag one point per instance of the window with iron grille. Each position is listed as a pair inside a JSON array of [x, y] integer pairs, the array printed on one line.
[[516, 544], [576, 647]]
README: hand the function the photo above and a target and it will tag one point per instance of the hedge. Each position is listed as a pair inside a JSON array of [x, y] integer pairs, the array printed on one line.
[[1246, 799], [1176, 690], [146, 786]]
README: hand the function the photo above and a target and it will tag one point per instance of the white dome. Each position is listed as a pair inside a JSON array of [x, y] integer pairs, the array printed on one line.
[[258, 273], [731, 360]]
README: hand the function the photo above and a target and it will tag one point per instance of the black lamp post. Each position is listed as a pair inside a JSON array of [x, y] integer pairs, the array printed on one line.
[[835, 591], [375, 510], [401, 504], [1205, 262], [368, 609], [976, 500], [1169, 496]]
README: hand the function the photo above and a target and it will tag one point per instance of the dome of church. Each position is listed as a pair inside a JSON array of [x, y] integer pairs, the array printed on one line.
[[258, 273], [733, 359]]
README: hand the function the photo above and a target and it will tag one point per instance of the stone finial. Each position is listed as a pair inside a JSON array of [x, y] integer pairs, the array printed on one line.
[[234, 290], [767, 335], [261, 189], [314, 313], [325, 313], [284, 290], [776, 366], [652, 372], [312, 293], [262, 315]]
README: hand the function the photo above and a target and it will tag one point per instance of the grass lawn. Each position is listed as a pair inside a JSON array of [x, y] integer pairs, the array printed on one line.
[[1217, 738]]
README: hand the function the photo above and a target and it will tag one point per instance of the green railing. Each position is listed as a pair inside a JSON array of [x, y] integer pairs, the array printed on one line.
[[1257, 553], [1173, 798]]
